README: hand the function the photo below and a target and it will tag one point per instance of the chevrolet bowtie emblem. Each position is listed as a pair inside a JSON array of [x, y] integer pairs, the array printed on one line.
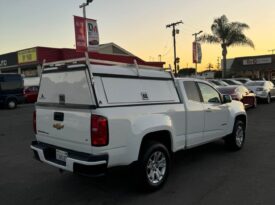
[[58, 126]]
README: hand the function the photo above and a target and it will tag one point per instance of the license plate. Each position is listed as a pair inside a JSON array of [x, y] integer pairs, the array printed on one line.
[[61, 155]]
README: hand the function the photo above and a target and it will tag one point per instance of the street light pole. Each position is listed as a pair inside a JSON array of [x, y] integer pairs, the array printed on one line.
[[196, 40], [86, 51], [84, 7], [174, 32], [84, 16]]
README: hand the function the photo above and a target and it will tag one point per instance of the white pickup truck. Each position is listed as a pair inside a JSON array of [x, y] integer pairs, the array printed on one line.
[[91, 118]]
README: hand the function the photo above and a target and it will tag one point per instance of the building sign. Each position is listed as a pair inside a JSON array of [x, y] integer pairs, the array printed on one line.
[[197, 54], [7, 60], [27, 56], [80, 34], [257, 61], [92, 34]]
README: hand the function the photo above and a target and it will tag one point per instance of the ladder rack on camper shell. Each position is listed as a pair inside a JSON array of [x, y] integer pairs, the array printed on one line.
[[72, 62]]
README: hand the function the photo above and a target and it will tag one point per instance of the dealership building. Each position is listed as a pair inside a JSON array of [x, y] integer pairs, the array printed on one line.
[[29, 61], [254, 67]]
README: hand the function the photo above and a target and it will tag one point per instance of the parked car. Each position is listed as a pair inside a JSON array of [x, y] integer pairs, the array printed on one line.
[[232, 82], [263, 89], [31, 93], [240, 93], [217, 82], [243, 80], [11, 90], [128, 116]]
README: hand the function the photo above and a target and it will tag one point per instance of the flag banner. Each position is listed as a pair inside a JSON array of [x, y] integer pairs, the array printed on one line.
[[80, 34], [195, 56], [92, 34], [197, 53]]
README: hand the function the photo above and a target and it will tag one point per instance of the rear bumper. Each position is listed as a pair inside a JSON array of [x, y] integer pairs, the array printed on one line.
[[261, 94], [78, 162]]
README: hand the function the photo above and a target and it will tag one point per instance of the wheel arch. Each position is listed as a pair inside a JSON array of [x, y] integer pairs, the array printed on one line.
[[161, 136], [242, 118]]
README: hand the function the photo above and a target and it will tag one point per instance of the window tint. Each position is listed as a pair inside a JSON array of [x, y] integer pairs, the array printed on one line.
[[253, 83], [12, 77], [192, 91], [209, 94]]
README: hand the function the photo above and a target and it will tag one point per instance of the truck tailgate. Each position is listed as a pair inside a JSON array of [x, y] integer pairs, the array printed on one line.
[[64, 128]]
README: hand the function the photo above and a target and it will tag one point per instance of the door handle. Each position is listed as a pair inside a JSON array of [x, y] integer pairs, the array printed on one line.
[[208, 110]]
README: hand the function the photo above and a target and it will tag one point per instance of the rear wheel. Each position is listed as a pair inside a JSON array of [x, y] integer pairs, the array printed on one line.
[[11, 103], [236, 140], [153, 166]]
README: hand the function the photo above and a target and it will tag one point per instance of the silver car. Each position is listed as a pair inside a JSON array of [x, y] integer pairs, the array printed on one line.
[[263, 89]]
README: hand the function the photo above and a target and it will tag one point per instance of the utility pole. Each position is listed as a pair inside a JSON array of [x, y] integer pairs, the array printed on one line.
[[159, 57], [272, 51], [174, 32], [196, 40]]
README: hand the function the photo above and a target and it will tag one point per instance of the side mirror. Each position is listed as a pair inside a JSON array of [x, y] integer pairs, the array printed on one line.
[[227, 99]]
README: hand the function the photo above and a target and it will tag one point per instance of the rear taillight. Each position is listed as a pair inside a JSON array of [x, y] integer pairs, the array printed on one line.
[[99, 131], [34, 122]]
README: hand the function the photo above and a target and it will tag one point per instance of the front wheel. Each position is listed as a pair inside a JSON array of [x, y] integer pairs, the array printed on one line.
[[153, 166], [236, 140]]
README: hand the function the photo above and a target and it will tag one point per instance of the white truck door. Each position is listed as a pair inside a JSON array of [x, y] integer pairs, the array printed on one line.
[[216, 113], [194, 113]]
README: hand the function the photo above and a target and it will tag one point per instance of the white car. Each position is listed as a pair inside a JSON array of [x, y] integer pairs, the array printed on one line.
[[263, 89], [90, 118]]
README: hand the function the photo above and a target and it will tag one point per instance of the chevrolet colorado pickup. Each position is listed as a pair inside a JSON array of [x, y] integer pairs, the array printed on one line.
[[89, 118]]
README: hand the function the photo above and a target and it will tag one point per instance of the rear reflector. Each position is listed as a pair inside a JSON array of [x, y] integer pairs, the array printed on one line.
[[34, 122], [99, 131]]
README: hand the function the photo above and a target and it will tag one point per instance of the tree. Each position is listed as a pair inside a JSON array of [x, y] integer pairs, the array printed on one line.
[[209, 66], [227, 34]]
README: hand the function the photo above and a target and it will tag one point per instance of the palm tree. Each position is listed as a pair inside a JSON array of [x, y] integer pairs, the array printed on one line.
[[227, 34]]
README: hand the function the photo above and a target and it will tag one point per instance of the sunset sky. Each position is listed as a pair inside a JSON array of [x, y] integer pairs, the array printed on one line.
[[139, 26]]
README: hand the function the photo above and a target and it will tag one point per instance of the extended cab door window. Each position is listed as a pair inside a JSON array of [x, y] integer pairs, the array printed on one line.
[[192, 91]]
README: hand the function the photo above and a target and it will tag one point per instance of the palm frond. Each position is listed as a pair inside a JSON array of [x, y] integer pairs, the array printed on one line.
[[208, 38], [243, 41], [239, 26]]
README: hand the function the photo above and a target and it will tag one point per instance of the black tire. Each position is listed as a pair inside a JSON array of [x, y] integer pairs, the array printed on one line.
[[11, 103], [268, 99], [255, 103], [236, 140], [149, 178]]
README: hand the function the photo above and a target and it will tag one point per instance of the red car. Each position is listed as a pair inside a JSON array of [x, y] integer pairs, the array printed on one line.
[[240, 93], [31, 93]]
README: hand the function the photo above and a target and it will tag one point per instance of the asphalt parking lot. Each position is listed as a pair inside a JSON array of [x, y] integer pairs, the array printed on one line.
[[209, 174]]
